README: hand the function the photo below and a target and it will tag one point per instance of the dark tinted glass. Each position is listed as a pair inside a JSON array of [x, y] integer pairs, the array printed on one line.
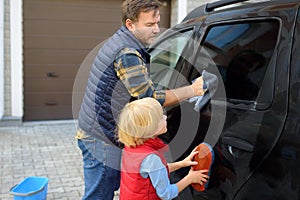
[[242, 53]]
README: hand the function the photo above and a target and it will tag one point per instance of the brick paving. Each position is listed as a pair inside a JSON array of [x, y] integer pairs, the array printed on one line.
[[46, 149]]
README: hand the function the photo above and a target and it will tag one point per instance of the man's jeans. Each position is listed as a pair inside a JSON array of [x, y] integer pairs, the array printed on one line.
[[101, 164]]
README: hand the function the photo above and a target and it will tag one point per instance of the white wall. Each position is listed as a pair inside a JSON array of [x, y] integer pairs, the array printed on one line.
[[16, 41], [180, 8]]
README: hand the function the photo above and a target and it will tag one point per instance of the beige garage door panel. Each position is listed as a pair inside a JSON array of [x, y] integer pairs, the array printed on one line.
[[59, 6], [62, 42], [38, 85], [62, 72], [42, 57], [70, 28], [76, 12], [48, 99], [56, 112]]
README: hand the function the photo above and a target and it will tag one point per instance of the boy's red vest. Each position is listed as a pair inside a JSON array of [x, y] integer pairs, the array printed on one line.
[[133, 185]]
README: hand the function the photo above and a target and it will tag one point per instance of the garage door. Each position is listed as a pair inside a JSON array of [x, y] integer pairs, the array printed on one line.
[[57, 37]]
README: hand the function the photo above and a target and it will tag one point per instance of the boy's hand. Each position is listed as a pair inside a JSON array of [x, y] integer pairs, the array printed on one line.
[[188, 161], [199, 176]]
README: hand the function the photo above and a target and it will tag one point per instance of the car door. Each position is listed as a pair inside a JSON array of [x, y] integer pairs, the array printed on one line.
[[277, 177], [170, 66], [252, 53]]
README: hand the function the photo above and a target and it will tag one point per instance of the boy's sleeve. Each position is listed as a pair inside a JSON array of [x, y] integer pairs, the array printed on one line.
[[153, 168]]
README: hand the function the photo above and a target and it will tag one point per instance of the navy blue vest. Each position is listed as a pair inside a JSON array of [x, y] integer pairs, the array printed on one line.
[[105, 94]]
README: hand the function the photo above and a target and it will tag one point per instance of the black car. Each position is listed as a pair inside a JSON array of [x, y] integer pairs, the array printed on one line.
[[253, 118]]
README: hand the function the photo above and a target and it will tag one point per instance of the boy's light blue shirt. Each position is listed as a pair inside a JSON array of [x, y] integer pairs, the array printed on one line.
[[153, 167]]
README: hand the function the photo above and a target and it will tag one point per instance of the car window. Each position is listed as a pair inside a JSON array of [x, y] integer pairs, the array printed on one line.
[[166, 55], [242, 53]]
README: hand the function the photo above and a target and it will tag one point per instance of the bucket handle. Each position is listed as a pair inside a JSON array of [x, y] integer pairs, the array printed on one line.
[[22, 194]]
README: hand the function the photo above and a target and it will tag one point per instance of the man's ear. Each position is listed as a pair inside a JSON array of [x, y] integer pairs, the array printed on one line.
[[129, 24]]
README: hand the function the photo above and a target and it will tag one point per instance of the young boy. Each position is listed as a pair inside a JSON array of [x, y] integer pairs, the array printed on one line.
[[145, 172]]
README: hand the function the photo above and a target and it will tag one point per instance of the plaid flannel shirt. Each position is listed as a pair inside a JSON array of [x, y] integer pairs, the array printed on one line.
[[132, 71]]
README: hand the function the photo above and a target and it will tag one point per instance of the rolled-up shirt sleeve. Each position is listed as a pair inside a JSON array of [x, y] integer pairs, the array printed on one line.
[[131, 70], [153, 168]]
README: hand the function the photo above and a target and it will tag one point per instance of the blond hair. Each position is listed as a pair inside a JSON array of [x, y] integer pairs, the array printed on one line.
[[139, 121]]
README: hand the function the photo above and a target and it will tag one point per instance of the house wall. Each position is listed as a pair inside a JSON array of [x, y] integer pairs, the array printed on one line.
[[180, 8], [193, 4], [5, 72], [1, 59]]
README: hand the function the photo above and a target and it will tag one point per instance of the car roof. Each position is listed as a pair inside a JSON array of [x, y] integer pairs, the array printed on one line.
[[218, 6]]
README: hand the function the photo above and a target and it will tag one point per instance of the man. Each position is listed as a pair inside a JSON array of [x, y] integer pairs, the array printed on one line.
[[118, 75]]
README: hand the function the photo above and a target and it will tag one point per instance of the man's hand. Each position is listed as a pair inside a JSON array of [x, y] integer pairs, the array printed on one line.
[[197, 87]]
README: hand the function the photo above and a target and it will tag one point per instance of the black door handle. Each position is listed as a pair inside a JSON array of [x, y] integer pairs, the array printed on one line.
[[52, 74], [50, 103], [238, 143]]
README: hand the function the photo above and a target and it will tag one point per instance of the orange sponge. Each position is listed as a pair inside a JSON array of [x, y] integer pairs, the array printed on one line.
[[205, 158]]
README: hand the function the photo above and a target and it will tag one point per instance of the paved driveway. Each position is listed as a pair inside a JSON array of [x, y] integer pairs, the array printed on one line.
[[42, 149]]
